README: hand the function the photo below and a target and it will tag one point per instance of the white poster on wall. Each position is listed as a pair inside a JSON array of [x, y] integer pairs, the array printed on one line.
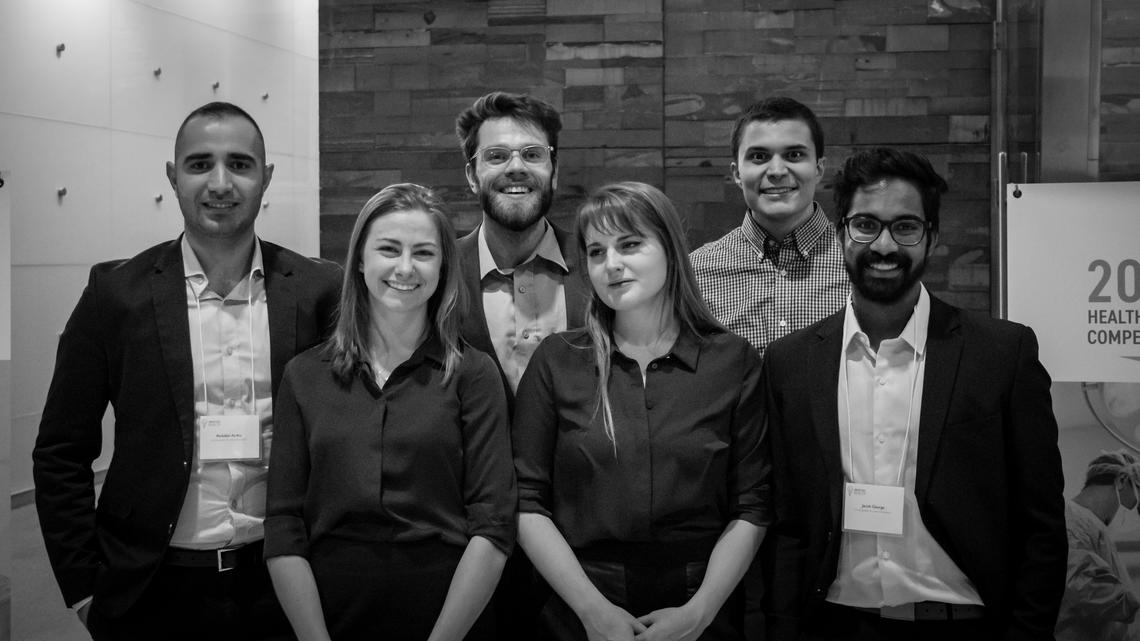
[[1073, 275]]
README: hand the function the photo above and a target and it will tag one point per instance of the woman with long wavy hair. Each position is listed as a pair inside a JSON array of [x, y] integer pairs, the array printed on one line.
[[391, 499], [639, 446]]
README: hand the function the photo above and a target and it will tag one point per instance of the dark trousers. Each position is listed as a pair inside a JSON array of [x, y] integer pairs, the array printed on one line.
[[841, 623], [193, 604], [518, 599], [640, 587], [389, 591]]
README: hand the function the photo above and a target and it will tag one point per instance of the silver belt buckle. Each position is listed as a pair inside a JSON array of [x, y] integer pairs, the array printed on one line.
[[221, 551], [901, 612]]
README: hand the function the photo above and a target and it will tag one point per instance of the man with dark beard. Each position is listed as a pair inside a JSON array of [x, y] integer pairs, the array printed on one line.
[[918, 484], [516, 265], [518, 270]]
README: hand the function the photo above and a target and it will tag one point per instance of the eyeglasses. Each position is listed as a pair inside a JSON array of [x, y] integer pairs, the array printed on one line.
[[531, 154], [865, 228]]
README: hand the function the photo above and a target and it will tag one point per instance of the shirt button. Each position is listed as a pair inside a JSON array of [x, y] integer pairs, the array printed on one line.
[[882, 439], [783, 272], [783, 323], [522, 289], [886, 556], [229, 350], [526, 334], [881, 381], [653, 366]]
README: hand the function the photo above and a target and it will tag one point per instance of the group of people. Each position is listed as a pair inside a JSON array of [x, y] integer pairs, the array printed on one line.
[[535, 433]]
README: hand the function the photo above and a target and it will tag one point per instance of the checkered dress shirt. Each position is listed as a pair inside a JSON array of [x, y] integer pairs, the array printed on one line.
[[763, 289]]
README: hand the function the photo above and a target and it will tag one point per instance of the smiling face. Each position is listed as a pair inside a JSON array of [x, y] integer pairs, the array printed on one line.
[[401, 260], [628, 269], [516, 194], [883, 271], [219, 176], [778, 172]]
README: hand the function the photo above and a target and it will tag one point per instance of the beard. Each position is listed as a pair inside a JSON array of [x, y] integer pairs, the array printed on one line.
[[516, 216], [883, 290]]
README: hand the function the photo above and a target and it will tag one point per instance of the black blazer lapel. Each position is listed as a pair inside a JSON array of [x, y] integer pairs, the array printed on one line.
[[474, 325], [281, 295], [575, 287], [943, 355], [823, 362], [168, 294]]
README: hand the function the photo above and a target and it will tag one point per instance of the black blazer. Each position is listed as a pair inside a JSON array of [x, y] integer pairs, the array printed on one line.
[[474, 328], [989, 481], [127, 343]]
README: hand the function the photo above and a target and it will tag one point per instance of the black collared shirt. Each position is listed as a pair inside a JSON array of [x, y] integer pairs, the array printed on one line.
[[691, 451], [412, 461]]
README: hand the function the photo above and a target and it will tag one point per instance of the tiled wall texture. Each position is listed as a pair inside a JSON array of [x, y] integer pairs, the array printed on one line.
[[649, 90], [1120, 91]]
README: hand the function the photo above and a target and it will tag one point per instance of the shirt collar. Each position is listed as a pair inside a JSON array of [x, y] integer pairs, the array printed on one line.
[[547, 248], [914, 333], [686, 349], [804, 238], [196, 275]]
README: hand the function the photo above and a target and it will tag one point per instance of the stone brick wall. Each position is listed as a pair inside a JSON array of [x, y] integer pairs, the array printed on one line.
[[649, 90], [1120, 90]]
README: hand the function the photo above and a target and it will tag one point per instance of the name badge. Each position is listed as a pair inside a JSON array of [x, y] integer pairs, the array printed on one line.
[[873, 509], [229, 438]]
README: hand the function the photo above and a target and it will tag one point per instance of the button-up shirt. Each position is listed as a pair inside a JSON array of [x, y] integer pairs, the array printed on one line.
[[690, 453], [229, 346], [764, 289], [523, 304], [879, 396]]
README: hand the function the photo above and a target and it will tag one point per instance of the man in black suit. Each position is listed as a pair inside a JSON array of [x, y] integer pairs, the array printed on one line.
[[519, 270], [187, 342], [918, 484]]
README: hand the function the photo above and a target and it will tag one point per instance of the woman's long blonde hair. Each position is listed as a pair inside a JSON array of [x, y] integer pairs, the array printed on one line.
[[633, 207]]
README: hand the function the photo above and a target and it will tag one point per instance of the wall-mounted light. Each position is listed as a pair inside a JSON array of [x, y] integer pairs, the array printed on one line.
[[59, 49], [265, 204], [216, 85], [61, 192], [265, 96], [158, 198], [157, 71]]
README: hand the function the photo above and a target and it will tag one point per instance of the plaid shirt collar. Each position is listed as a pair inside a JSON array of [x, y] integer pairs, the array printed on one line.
[[804, 238]]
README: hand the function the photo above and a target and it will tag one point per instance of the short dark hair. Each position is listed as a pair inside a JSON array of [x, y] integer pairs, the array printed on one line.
[[218, 110], [778, 108], [500, 104], [872, 165]]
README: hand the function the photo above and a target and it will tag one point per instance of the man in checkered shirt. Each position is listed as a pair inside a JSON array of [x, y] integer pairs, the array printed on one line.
[[782, 269]]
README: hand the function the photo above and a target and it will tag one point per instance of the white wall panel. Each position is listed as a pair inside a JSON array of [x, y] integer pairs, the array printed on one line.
[[261, 81], [71, 86], [306, 108], [189, 54], [138, 169], [42, 300], [306, 28], [267, 21], [44, 157]]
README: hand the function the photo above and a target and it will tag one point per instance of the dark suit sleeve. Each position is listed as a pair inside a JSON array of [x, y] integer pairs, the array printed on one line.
[[69, 440], [782, 547], [1035, 477]]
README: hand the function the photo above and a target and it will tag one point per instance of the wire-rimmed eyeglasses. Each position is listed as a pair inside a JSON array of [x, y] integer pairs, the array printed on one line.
[[531, 154]]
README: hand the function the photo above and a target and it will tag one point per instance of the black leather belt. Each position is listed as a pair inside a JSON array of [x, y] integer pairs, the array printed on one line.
[[222, 559], [928, 611]]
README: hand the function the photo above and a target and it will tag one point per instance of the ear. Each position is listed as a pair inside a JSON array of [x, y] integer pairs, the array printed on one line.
[[554, 179], [735, 171], [267, 173], [469, 170], [932, 243], [820, 167], [170, 176]]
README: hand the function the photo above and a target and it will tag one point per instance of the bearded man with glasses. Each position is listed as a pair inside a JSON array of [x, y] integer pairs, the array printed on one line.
[[519, 273], [917, 479]]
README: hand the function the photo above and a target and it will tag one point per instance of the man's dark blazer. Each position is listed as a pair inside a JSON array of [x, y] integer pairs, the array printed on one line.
[[474, 327], [989, 482], [128, 343]]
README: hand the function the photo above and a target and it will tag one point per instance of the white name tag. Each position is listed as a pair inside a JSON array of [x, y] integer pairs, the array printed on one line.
[[229, 438], [873, 509]]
